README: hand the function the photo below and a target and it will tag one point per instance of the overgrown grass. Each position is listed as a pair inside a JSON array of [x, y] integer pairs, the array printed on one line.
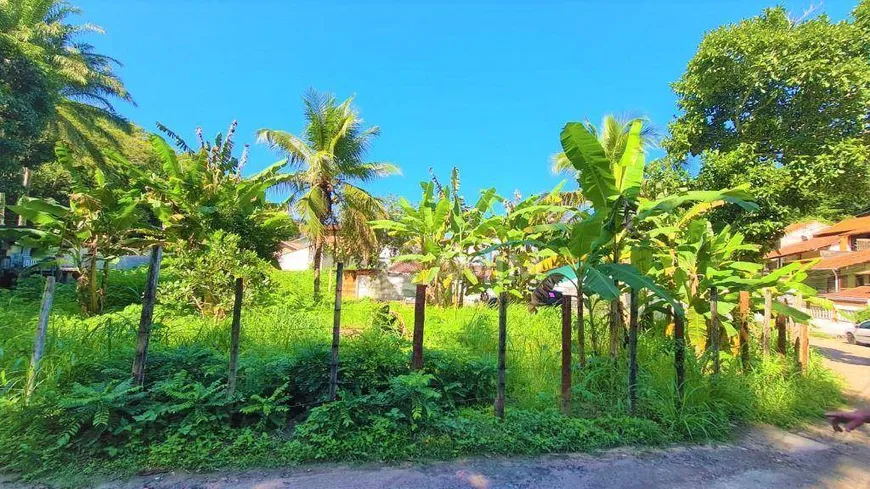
[[86, 418]]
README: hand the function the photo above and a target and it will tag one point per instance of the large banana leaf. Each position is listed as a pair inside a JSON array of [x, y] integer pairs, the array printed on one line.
[[636, 280], [737, 195], [629, 172], [588, 157]]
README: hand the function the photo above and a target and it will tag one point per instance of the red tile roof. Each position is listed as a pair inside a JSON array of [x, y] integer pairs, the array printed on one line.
[[843, 260], [856, 225], [857, 294], [407, 267], [804, 246]]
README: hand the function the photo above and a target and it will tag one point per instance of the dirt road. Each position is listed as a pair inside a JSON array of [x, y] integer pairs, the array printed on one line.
[[764, 457]]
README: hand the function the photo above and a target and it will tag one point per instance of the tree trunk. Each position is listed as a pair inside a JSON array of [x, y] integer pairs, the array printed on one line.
[[615, 327], [714, 328], [581, 336], [318, 258], [39, 344], [419, 320], [632, 352], [234, 338], [566, 354], [2, 209], [336, 332], [680, 354], [502, 346], [743, 318], [765, 329], [781, 339], [148, 299]]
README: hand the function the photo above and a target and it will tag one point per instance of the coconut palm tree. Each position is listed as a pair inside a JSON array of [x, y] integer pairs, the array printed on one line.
[[85, 81], [329, 157]]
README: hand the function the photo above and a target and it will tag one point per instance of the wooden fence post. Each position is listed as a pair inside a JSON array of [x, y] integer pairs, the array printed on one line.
[[581, 335], [25, 183], [781, 340], [419, 321], [632, 351], [566, 354], [234, 337], [148, 299], [680, 354], [39, 344], [336, 332], [714, 328], [2, 209], [765, 329], [804, 350], [502, 347], [743, 331]]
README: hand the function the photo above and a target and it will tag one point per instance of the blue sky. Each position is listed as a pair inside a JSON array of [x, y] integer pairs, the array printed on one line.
[[484, 86]]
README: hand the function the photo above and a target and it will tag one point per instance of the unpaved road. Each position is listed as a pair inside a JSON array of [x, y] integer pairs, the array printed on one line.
[[763, 457]]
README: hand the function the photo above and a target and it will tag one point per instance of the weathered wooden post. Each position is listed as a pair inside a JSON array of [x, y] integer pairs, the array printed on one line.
[[714, 328], [148, 299], [419, 321], [804, 355], [234, 337], [502, 347], [39, 344], [566, 354], [581, 335], [680, 354], [765, 329], [2, 209], [632, 351], [336, 332], [781, 339], [743, 330]]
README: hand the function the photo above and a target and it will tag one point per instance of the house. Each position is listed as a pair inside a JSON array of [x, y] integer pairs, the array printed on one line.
[[393, 283], [842, 251], [850, 300]]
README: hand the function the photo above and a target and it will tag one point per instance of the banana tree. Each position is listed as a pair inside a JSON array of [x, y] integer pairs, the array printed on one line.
[[99, 224]]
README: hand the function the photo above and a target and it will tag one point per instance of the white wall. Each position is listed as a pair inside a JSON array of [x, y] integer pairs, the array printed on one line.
[[294, 260]]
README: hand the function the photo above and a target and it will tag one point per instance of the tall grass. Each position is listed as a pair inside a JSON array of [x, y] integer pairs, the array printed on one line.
[[290, 321]]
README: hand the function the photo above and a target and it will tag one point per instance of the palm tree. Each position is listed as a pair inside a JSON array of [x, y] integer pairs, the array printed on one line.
[[85, 81], [329, 159]]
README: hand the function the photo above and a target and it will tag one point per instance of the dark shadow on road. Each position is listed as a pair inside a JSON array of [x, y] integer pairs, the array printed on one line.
[[841, 356]]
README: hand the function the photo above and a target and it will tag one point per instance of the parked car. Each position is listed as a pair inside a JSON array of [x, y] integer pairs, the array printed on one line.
[[859, 334]]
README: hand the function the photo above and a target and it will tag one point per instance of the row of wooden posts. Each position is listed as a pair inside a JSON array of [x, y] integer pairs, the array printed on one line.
[[150, 294]]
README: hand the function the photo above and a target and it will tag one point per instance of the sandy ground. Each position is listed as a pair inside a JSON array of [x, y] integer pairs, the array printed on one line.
[[763, 457]]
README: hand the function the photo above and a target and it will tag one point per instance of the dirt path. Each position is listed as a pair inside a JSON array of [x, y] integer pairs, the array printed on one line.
[[764, 457]]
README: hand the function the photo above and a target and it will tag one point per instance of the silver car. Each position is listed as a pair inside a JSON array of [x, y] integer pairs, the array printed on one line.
[[859, 333]]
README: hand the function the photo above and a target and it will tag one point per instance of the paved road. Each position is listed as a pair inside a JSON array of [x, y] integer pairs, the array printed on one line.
[[764, 457]]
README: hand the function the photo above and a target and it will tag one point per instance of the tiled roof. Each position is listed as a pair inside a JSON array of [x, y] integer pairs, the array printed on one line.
[[856, 225], [404, 267], [857, 294], [843, 260], [804, 246]]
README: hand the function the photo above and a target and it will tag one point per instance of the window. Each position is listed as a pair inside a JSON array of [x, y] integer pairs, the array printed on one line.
[[860, 280], [865, 325]]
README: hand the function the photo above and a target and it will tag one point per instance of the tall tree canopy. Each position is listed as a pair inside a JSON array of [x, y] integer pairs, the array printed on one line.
[[54, 85], [784, 105]]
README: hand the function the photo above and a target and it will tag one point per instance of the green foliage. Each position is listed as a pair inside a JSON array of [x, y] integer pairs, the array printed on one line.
[[204, 278], [780, 104]]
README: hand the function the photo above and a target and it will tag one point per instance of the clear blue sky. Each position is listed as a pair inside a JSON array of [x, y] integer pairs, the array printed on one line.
[[485, 86]]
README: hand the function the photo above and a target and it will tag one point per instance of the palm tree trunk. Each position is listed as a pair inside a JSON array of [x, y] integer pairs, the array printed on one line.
[[318, 258]]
